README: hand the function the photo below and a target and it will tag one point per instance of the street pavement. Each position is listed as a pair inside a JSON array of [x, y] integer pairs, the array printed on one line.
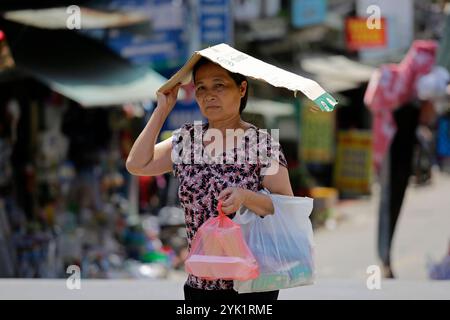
[[344, 251], [423, 232], [324, 289]]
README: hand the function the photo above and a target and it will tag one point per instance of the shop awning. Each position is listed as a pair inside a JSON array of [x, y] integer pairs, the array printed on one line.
[[81, 68], [58, 18], [270, 108], [337, 73]]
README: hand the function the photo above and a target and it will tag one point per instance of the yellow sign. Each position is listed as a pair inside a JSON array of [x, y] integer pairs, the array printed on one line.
[[316, 135], [353, 170]]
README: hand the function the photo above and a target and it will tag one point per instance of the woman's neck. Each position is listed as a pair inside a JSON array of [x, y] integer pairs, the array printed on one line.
[[223, 125]]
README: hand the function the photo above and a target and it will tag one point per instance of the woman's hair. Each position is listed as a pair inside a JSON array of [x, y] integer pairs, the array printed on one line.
[[237, 77]]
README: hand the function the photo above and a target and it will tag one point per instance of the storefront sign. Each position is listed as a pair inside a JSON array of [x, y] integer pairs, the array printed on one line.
[[359, 36], [164, 46], [316, 135], [353, 170], [308, 12], [216, 22]]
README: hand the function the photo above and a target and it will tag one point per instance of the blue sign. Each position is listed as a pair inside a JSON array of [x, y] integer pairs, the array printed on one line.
[[308, 12], [183, 112], [162, 44], [443, 137], [216, 22]]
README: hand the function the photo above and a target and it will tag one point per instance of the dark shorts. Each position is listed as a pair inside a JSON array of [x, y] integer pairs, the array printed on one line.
[[194, 294]]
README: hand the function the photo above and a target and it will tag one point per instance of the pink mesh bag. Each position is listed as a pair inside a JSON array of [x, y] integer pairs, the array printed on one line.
[[219, 251]]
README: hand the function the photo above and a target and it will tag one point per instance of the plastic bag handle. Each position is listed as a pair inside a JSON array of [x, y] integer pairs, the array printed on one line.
[[221, 214], [219, 208]]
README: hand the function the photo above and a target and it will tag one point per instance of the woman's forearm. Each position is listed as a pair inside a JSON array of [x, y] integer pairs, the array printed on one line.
[[143, 148], [260, 204]]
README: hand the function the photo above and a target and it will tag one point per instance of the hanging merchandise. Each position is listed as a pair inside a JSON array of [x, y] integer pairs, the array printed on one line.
[[392, 86], [440, 270], [5, 163], [6, 252], [8, 122], [6, 59], [443, 58], [443, 137]]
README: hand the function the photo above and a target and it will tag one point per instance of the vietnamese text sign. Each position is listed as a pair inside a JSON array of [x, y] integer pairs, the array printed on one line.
[[308, 12], [216, 22], [359, 36], [316, 135], [353, 170]]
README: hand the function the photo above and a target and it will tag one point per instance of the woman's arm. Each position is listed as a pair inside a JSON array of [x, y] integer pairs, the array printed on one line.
[[260, 204], [145, 158]]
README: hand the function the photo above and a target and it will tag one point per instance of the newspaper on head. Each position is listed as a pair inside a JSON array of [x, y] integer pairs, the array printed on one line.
[[239, 62]]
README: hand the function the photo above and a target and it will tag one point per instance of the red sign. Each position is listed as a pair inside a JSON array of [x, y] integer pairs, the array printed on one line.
[[359, 36]]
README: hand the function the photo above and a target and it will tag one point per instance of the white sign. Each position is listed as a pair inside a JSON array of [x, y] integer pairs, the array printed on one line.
[[399, 16], [247, 10], [239, 62]]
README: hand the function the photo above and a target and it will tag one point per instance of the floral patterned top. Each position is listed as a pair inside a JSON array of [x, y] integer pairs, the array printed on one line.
[[201, 183]]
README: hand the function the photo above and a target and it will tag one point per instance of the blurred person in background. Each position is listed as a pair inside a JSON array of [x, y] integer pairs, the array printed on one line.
[[414, 120]]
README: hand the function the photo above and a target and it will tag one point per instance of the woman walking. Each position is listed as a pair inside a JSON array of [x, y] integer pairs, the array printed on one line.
[[222, 97]]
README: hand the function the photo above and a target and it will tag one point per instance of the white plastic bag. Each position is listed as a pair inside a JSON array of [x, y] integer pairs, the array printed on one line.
[[282, 244]]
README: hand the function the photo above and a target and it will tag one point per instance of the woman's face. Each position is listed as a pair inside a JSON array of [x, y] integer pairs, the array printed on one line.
[[216, 92]]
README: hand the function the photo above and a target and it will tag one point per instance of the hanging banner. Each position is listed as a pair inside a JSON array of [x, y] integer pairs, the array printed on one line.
[[317, 135], [308, 12], [216, 22], [353, 169], [164, 46], [399, 17], [359, 36]]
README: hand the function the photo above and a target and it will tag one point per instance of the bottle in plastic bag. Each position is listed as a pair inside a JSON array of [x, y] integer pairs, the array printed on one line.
[[282, 243]]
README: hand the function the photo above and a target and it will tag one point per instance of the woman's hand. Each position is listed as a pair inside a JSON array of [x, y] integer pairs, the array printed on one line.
[[233, 199], [168, 99]]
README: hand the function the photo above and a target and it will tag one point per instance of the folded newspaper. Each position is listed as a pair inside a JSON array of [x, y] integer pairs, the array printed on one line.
[[239, 62]]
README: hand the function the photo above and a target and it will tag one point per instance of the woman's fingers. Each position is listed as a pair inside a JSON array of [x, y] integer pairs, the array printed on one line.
[[174, 91], [228, 202], [225, 193], [168, 98], [228, 209]]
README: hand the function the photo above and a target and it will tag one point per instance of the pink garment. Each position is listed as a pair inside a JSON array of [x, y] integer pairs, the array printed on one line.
[[393, 85]]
